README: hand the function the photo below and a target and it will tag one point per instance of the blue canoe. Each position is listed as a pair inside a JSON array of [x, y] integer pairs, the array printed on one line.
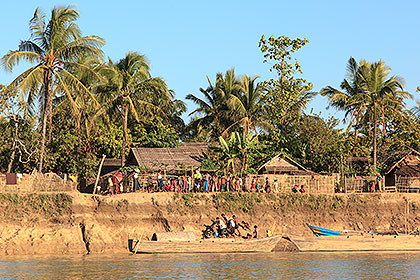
[[319, 231]]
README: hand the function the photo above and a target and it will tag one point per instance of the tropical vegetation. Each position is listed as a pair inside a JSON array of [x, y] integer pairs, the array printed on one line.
[[71, 106]]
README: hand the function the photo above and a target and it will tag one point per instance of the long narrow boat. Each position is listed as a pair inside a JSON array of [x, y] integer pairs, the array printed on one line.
[[318, 231], [360, 241], [214, 245]]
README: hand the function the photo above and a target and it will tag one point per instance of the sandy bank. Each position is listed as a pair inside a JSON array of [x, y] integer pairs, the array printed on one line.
[[74, 223]]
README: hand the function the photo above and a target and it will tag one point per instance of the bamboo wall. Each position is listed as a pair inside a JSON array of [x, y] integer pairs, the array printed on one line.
[[408, 184], [38, 183], [312, 183]]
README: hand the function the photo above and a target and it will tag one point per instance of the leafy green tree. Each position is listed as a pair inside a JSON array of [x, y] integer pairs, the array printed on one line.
[[228, 151], [154, 133], [283, 91], [131, 90], [323, 144], [55, 47]]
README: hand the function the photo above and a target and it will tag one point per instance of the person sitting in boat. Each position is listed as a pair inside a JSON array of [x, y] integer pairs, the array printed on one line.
[[222, 227], [245, 225], [226, 218], [248, 236], [231, 226], [236, 226], [215, 233], [229, 223], [255, 233]]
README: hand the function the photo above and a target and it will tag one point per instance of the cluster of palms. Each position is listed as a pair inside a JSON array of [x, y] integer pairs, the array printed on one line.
[[370, 98], [228, 104], [69, 73], [232, 112]]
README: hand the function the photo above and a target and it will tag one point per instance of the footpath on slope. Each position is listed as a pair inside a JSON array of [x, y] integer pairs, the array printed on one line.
[[75, 223]]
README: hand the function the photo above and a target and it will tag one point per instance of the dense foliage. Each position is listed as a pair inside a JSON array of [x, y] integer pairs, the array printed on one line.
[[70, 107]]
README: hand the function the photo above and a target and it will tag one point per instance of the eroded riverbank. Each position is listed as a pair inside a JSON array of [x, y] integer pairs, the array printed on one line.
[[74, 223]]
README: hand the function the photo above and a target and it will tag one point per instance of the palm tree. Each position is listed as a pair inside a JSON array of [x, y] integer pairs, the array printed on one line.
[[246, 104], [351, 99], [213, 110], [368, 95], [55, 47], [132, 89]]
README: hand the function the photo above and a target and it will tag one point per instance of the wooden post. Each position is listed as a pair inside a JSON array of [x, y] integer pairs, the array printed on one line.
[[405, 208], [99, 174]]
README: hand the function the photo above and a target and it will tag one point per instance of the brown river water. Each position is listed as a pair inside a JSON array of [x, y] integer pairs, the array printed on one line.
[[276, 265]]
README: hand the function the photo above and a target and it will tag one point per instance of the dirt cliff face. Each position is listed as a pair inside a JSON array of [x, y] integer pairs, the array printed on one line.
[[74, 223]]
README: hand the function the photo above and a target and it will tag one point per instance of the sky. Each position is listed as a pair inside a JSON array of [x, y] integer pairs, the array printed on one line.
[[186, 41]]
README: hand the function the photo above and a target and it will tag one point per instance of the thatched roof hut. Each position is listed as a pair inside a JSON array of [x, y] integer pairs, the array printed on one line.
[[405, 163], [282, 164], [402, 164], [187, 155]]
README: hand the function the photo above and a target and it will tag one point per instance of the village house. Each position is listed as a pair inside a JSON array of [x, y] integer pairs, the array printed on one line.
[[403, 172], [288, 173], [185, 157]]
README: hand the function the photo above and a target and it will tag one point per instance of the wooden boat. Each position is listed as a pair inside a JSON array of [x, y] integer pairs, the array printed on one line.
[[318, 231], [357, 241], [212, 245]]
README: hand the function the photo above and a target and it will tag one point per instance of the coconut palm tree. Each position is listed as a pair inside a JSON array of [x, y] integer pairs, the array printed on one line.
[[55, 47], [132, 90], [213, 110], [368, 95], [246, 104]]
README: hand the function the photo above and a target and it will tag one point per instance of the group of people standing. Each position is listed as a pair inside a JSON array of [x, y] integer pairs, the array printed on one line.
[[212, 183]]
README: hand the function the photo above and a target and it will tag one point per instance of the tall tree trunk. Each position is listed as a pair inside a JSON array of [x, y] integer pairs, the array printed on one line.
[[375, 127], [50, 119], [383, 121], [125, 120], [12, 156], [44, 135], [79, 119], [47, 83]]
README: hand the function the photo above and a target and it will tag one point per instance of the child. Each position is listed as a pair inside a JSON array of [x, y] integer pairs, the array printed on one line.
[[255, 233]]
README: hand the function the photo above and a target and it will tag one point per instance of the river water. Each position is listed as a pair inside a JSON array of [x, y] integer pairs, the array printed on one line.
[[276, 265]]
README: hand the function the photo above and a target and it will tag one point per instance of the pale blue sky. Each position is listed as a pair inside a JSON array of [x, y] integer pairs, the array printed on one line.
[[187, 40]]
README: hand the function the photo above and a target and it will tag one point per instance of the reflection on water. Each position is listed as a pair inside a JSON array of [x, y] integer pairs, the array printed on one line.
[[217, 266]]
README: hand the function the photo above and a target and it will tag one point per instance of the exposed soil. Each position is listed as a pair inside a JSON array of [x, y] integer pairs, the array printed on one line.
[[74, 223]]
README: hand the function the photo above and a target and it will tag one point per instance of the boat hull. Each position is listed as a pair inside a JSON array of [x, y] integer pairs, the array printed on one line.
[[367, 242], [318, 231], [205, 246]]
